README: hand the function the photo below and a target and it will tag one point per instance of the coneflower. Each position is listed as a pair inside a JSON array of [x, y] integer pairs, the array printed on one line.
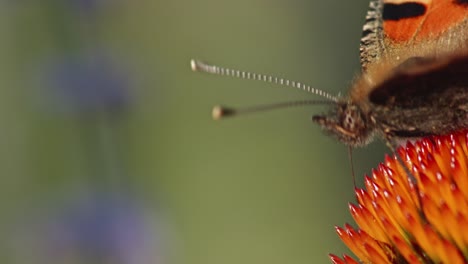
[[416, 217]]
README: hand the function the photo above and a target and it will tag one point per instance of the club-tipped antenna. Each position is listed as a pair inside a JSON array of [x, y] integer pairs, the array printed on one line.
[[213, 69], [220, 112]]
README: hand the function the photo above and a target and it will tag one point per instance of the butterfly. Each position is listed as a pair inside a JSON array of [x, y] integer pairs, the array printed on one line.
[[414, 57], [414, 80]]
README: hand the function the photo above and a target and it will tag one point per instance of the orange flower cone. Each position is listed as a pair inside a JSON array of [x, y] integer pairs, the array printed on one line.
[[416, 217]]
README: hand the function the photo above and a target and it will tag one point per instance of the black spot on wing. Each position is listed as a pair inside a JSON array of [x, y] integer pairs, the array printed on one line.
[[461, 2], [406, 10]]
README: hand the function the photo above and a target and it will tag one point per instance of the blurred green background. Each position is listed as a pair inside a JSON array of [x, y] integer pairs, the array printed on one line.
[[109, 154]]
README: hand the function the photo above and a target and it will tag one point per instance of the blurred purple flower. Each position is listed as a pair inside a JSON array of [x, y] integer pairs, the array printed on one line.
[[85, 83], [99, 228], [89, 6], [103, 229], [74, 5]]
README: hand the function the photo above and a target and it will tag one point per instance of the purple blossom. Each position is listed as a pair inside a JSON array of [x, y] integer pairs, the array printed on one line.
[[99, 228], [85, 83], [89, 6]]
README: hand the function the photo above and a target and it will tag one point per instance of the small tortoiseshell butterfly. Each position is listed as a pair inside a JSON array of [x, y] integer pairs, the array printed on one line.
[[414, 81]]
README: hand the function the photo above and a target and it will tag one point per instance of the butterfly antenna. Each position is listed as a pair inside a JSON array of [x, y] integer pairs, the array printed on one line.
[[213, 69], [222, 112]]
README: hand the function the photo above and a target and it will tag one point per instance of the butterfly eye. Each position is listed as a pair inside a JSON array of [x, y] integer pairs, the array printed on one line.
[[349, 121]]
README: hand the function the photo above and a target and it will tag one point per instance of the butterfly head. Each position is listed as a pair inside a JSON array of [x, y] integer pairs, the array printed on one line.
[[347, 123]]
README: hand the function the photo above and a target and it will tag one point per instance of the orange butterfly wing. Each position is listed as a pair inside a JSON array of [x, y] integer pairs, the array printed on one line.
[[419, 20]]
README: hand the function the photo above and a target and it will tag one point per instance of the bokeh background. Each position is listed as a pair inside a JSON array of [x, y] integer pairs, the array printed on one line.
[[108, 153]]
